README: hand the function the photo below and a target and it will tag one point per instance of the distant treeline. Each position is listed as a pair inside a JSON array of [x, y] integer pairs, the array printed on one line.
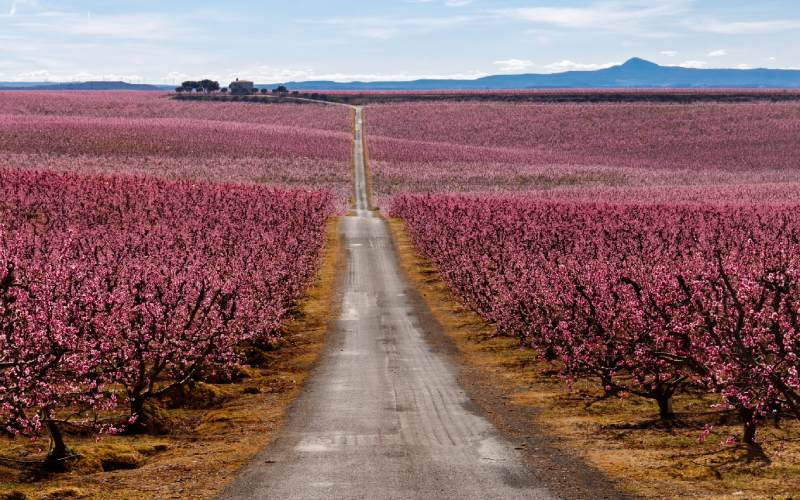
[[682, 96], [562, 96]]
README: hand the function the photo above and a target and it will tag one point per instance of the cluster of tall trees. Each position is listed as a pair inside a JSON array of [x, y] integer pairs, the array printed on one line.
[[213, 86], [198, 86]]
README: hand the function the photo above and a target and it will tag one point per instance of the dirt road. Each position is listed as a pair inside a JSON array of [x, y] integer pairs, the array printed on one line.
[[383, 416]]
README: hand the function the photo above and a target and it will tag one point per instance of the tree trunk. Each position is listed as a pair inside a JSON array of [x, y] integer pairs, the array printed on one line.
[[150, 417], [749, 429], [137, 410], [58, 449], [608, 386], [665, 410], [755, 451]]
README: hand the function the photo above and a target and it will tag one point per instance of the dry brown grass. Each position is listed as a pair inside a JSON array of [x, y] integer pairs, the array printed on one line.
[[208, 445], [619, 436], [367, 170], [353, 160]]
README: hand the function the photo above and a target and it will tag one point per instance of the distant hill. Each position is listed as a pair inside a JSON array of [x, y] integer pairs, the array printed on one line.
[[635, 73], [81, 86]]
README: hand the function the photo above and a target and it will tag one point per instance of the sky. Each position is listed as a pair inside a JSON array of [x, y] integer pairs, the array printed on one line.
[[160, 41]]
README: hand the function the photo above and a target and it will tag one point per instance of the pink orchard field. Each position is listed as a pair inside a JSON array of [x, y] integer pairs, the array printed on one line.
[[114, 289], [530, 147], [148, 133], [646, 299], [125, 271], [653, 248], [650, 247]]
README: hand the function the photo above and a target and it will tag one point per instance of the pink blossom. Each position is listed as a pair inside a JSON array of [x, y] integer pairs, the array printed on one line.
[[645, 298], [139, 283]]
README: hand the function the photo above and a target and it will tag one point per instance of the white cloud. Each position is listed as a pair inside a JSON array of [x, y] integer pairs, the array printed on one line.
[[269, 74], [86, 25], [175, 77], [567, 65], [718, 53], [746, 27], [12, 11], [514, 65], [384, 28], [449, 3], [518, 65], [694, 64], [380, 33], [600, 14], [743, 66], [669, 53], [140, 26], [44, 75]]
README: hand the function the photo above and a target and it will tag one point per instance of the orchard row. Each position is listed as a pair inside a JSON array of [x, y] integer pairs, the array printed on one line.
[[113, 290], [646, 299]]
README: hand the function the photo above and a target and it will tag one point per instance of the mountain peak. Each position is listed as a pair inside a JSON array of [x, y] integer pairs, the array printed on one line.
[[638, 63]]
